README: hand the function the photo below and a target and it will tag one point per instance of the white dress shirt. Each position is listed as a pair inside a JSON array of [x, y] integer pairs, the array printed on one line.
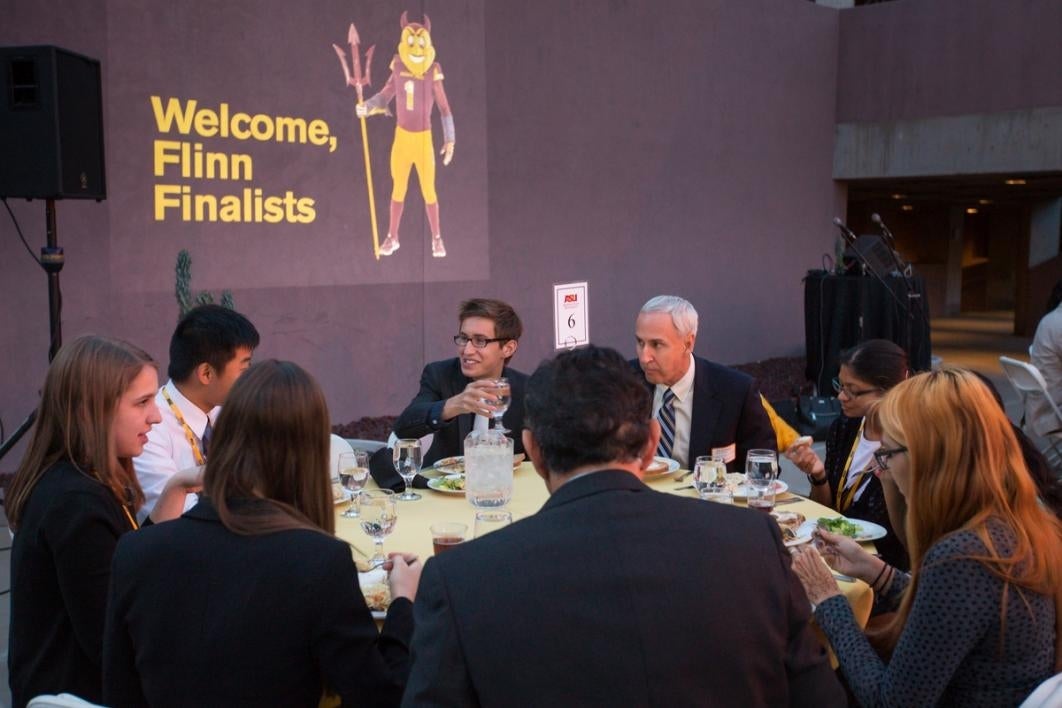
[[683, 404], [167, 450]]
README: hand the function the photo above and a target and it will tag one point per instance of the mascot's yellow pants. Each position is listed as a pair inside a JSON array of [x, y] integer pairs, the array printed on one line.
[[413, 148]]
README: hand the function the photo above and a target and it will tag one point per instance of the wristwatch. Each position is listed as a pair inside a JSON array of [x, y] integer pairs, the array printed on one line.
[[818, 482]]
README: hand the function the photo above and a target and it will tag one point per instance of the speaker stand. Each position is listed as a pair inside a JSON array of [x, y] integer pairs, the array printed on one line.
[[51, 261]]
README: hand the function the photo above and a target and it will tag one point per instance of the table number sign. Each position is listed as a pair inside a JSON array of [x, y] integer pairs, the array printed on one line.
[[571, 325]]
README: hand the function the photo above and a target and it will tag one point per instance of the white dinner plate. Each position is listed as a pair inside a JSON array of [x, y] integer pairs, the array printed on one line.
[[456, 465], [742, 490], [671, 467], [868, 530], [436, 485]]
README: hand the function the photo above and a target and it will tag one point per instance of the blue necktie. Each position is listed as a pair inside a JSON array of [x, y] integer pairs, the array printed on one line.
[[208, 432], [666, 416]]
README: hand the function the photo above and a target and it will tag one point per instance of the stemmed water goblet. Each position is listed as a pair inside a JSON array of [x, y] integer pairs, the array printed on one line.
[[407, 464], [353, 471], [503, 392], [379, 514]]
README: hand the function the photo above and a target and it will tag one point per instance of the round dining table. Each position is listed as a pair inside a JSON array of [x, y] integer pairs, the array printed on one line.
[[412, 533]]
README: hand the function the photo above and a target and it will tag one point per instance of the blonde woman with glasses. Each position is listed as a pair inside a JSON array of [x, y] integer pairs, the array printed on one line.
[[977, 618]]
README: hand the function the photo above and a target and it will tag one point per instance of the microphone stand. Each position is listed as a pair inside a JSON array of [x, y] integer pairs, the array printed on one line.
[[905, 273]]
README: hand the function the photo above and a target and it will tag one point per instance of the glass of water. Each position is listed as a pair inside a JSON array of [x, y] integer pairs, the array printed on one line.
[[709, 478], [353, 471], [379, 514], [407, 462], [488, 469], [503, 391], [761, 469]]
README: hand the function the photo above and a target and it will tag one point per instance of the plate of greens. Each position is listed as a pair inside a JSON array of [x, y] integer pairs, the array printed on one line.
[[854, 528], [450, 484]]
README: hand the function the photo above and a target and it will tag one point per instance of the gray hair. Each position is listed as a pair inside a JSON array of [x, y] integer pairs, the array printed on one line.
[[683, 316]]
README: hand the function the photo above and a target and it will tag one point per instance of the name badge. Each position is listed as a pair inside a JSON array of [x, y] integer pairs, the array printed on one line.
[[728, 453]]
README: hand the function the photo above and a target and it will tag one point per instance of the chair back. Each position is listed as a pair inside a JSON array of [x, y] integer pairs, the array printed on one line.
[[1026, 379], [339, 446], [1047, 695], [63, 700]]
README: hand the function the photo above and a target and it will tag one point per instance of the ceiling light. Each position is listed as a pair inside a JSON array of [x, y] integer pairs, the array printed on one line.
[[1013, 182], [984, 201], [971, 210], [899, 196], [907, 207]]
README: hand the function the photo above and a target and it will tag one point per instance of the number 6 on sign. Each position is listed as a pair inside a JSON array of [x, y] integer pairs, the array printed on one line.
[[571, 326]]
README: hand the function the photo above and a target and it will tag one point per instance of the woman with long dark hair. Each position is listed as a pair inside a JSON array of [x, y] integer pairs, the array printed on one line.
[[977, 618], [74, 494], [846, 481], [248, 599]]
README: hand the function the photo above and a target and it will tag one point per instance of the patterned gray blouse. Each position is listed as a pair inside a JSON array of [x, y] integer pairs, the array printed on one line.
[[953, 650]]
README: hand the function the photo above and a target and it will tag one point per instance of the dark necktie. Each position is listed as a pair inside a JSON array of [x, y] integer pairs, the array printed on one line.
[[208, 432], [666, 416]]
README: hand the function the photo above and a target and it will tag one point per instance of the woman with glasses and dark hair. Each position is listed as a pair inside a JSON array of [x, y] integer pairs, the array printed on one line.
[[846, 481], [977, 619]]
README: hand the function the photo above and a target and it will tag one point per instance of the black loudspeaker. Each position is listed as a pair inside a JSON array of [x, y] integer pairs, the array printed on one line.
[[51, 125]]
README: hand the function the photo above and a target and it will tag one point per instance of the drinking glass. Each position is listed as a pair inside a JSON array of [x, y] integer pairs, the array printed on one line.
[[447, 534], [379, 514], [761, 469], [487, 521], [709, 479], [488, 469], [503, 391], [407, 463], [353, 471]]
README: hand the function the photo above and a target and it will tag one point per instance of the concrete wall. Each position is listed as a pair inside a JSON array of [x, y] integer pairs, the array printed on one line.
[[647, 147]]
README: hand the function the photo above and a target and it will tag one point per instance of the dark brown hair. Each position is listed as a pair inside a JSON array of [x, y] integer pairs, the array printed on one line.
[[507, 324], [268, 464], [81, 392], [879, 362]]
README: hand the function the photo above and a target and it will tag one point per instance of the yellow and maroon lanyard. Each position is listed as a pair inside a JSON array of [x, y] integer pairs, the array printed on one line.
[[845, 496], [188, 434]]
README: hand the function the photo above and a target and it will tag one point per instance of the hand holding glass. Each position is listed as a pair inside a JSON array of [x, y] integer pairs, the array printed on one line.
[[353, 471]]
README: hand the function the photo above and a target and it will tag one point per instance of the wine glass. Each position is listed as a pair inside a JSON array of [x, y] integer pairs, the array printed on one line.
[[407, 463], [379, 514], [503, 392], [761, 469], [353, 470]]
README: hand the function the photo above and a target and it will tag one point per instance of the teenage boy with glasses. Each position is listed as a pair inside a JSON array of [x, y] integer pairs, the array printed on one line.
[[457, 395]]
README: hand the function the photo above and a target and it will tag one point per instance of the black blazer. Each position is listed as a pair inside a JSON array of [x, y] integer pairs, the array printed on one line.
[[727, 410], [616, 595], [200, 616], [439, 381], [60, 568]]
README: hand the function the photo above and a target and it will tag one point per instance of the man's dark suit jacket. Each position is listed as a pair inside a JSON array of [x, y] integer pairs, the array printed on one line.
[[727, 410], [200, 616], [616, 595], [423, 415]]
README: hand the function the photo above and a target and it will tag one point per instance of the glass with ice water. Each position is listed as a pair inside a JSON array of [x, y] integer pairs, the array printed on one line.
[[488, 469], [761, 469]]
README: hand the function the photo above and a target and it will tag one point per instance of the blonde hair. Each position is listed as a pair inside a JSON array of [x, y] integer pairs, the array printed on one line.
[[966, 467], [81, 391], [268, 464]]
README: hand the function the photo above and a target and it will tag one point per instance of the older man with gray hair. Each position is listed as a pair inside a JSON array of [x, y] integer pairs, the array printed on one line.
[[703, 408]]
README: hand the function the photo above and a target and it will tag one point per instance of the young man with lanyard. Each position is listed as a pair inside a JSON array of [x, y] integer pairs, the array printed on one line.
[[210, 348]]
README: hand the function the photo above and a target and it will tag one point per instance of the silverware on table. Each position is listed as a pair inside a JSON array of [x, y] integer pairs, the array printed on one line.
[[684, 475], [688, 486], [791, 500]]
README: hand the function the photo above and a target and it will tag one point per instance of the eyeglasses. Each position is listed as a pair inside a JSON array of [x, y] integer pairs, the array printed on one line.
[[881, 456], [848, 391], [478, 340]]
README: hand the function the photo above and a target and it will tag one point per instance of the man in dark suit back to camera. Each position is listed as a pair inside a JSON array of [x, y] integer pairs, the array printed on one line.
[[613, 594], [456, 395], [714, 409]]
